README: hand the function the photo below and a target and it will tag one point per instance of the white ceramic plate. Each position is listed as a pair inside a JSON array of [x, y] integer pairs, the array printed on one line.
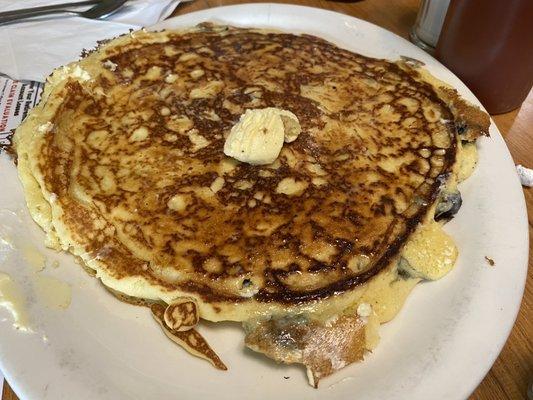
[[439, 347]]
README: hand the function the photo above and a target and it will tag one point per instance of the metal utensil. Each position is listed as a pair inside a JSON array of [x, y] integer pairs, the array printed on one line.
[[102, 9], [48, 8]]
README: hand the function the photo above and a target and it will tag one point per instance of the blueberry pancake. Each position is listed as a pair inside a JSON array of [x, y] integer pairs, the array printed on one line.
[[255, 176]]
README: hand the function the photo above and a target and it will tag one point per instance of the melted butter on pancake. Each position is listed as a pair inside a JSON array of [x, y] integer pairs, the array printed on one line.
[[467, 161], [430, 253], [258, 137]]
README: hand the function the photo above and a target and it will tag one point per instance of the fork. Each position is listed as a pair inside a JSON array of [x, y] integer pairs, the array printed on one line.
[[102, 9], [48, 8]]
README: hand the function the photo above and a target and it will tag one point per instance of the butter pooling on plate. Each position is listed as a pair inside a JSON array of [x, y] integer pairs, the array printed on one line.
[[123, 165], [13, 300]]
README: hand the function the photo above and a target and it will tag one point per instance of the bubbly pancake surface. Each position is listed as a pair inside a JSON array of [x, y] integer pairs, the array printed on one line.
[[127, 153]]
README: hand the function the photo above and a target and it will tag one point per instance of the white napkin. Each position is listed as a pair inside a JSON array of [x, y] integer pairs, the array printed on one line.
[[525, 175], [31, 50]]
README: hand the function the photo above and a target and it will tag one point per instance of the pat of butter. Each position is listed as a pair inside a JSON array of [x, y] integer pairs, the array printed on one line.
[[259, 135]]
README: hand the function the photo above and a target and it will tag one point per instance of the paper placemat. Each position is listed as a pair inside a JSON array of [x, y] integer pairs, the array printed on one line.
[[16, 100]]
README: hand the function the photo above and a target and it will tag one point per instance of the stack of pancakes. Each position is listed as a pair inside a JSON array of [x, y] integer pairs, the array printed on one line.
[[122, 163]]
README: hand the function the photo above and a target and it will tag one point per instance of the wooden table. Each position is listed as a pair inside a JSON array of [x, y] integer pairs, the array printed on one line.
[[509, 377]]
